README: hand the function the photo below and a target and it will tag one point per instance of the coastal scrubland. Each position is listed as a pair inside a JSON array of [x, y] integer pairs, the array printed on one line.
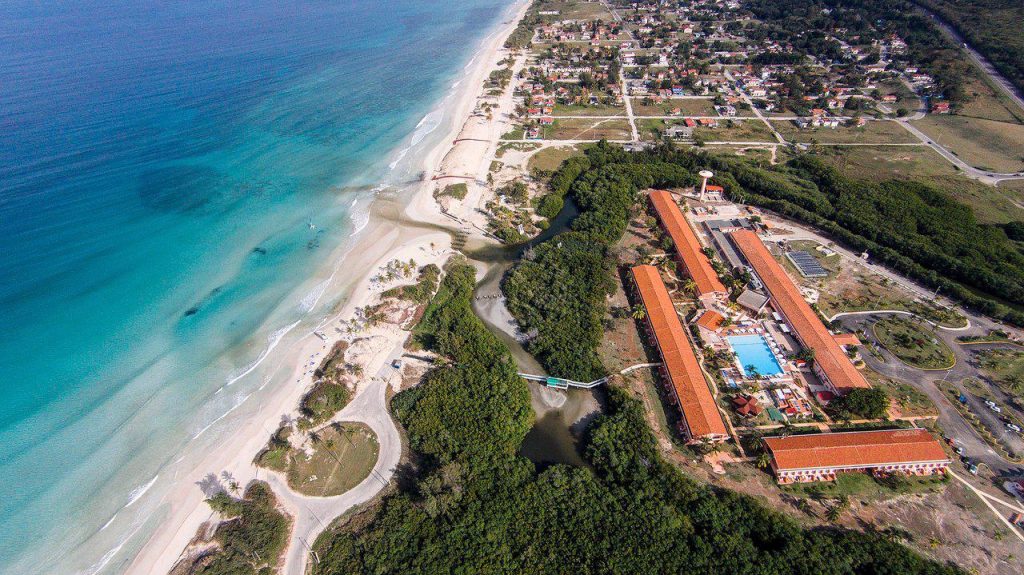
[[251, 538], [472, 503]]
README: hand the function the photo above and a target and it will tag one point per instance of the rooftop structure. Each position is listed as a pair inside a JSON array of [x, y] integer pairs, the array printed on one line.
[[718, 229], [688, 247], [806, 264], [700, 413], [819, 456], [831, 364]]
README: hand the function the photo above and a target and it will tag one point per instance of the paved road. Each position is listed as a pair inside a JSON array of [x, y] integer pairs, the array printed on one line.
[[953, 424], [313, 514], [998, 79], [969, 170]]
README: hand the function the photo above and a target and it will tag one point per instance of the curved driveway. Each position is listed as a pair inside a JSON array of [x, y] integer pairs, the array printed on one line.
[[312, 515]]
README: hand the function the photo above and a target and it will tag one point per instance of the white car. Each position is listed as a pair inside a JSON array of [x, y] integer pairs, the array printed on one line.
[[996, 409], [990, 403], [1013, 427]]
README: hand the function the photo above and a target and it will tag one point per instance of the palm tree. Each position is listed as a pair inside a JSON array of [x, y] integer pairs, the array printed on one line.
[[639, 312], [690, 286], [764, 460], [833, 513]]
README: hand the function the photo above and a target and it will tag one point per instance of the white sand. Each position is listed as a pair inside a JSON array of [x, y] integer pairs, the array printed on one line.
[[378, 244]]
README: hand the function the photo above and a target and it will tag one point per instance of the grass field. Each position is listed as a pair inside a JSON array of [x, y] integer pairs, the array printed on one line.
[[575, 10], [864, 486], [1005, 367], [736, 131], [988, 103], [344, 455], [913, 342], [687, 107], [874, 132], [583, 129], [991, 205], [907, 399], [549, 159], [984, 144], [595, 110]]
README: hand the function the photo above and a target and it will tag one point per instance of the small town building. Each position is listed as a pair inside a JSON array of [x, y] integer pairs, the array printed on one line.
[[822, 456], [752, 301], [746, 406]]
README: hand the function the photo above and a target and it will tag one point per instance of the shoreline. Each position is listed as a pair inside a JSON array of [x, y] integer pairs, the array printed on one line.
[[381, 240]]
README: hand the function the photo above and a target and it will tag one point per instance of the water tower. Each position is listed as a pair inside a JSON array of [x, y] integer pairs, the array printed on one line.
[[705, 175]]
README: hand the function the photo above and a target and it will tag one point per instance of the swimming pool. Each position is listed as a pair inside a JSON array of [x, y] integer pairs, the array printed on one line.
[[753, 351]]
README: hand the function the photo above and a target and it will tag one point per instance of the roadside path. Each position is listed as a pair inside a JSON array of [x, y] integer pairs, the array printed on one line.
[[985, 497], [312, 515]]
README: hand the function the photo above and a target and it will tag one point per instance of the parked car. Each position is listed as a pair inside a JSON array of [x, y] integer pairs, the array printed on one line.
[[959, 450], [1013, 427], [990, 403], [973, 469]]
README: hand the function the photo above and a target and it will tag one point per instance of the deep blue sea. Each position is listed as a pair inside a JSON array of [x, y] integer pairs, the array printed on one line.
[[171, 173]]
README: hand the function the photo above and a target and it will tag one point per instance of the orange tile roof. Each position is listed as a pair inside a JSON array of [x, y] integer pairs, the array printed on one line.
[[710, 319], [828, 356], [691, 389], [846, 339], [854, 449], [688, 248]]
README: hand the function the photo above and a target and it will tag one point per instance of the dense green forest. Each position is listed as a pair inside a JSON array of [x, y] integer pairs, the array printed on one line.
[[472, 505], [993, 27], [558, 292], [806, 24]]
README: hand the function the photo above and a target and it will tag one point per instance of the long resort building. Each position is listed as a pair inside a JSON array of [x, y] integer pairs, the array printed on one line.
[[688, 248], [831, 363], [821, 456], [700, 416]]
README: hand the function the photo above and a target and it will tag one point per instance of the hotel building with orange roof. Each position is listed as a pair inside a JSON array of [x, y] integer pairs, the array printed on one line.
[[688, 248], [821, 456], [701, 419], [831, 363]]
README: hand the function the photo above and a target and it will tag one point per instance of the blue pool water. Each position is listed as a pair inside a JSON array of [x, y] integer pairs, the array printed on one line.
[[753, 350], [173, 177]]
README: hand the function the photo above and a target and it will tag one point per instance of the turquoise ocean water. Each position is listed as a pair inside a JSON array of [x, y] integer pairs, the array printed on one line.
[[171, 175]]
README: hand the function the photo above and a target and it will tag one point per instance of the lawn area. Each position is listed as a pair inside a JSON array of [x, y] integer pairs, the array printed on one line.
[[906, 399], [342, 455], [736, 131], [913, 342], [587, 110], [582, 129], [1005, 367], [548, 159], [574, 10], [1002, 204], [864, 486], [687, 107], [984, 144], [874, 132], [988, 102]]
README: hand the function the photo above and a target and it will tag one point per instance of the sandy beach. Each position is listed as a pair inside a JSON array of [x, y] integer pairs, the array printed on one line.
[[380, 242]]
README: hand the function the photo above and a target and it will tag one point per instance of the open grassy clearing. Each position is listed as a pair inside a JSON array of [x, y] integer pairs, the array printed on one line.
[[988, 103], [984, 144], [575, 10], [735, 131], [906, 400], [874, 132], [1000, 204], [686, 106], [582, 129], [330, 462], [588, 110], [548, 159], [1005, 367], [864, 486], [913, 342]]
